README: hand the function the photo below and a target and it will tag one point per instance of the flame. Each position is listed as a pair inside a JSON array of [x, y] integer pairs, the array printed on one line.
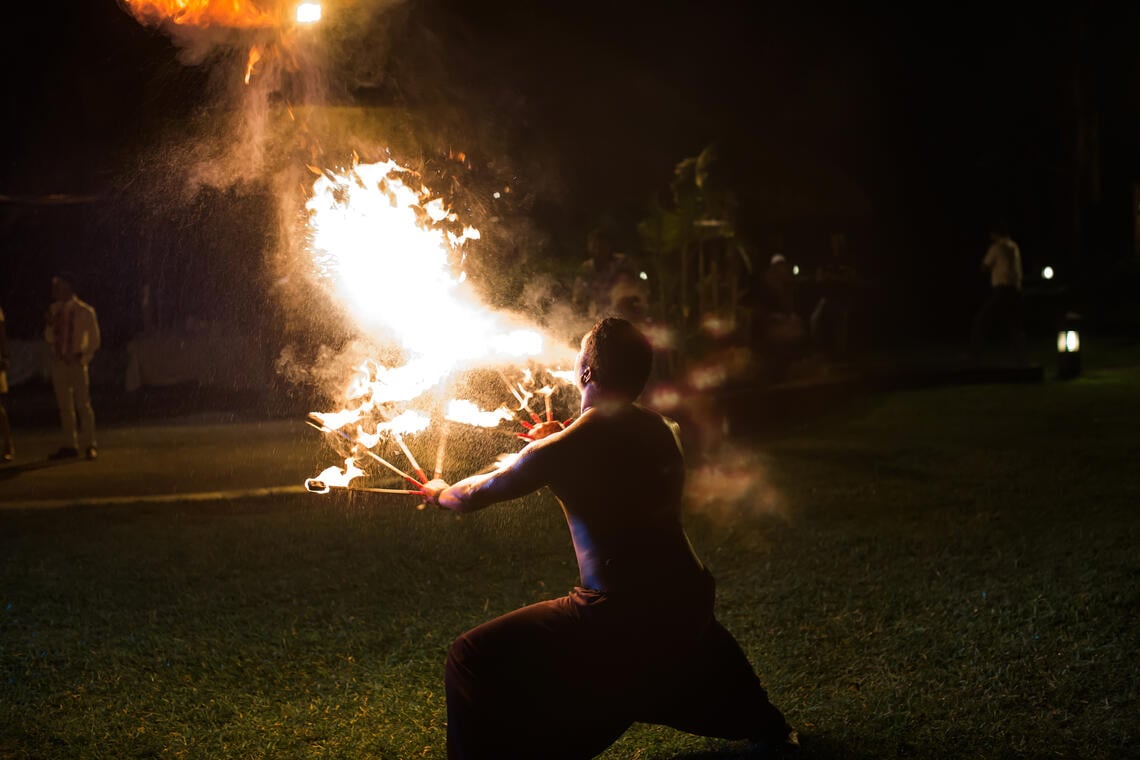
[[254, 57], [337, 420], [406, 423], [386, 248], [337, 477], [238, 14], [470, 414], [565, 375]]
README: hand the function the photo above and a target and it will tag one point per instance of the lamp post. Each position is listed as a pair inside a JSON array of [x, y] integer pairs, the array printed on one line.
[[1068, 346]]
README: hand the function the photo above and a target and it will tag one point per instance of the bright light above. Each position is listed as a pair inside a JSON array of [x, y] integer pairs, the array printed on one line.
[[308, 13], [643, 276], [796, 269], [1068, 341], [1047, 273]]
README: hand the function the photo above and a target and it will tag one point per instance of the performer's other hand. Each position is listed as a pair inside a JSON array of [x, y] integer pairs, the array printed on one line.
[[432, 489], [544, 429]]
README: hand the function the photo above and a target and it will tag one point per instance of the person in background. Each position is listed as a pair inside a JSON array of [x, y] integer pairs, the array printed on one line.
[[629, 296], [638, 640], [831, 318], [593, 292], [1003, 307], [8, 453], [72, 332], [779, 334]]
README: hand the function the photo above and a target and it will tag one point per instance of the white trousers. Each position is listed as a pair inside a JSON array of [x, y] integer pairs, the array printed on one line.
[[71, 394]]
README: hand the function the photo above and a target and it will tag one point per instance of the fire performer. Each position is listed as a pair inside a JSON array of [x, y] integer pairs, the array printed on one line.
[[638, 640]]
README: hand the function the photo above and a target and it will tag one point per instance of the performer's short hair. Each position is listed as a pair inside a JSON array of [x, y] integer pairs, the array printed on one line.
[[619, 356]]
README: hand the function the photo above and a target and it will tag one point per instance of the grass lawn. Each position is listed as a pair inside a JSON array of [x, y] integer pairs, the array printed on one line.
[[944, 573]]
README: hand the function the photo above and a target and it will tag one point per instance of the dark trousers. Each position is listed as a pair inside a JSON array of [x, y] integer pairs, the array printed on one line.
[[565, 678], [1002, 310]]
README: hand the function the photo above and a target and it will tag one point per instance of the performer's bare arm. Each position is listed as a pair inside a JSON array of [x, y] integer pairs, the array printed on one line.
[[526, 474]]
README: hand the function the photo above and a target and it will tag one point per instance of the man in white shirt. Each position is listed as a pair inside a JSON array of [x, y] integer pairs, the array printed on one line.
[[73, 334], [1003, 307]]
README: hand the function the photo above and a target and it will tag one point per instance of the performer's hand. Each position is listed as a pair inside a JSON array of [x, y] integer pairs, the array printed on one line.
[[544, 429], [432, 489]]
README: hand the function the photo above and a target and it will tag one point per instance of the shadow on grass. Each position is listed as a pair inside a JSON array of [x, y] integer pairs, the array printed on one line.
[[11, 472], [811, 747], [862, 461]]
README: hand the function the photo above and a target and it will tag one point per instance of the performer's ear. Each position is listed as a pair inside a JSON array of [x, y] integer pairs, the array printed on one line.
[[587, 374]]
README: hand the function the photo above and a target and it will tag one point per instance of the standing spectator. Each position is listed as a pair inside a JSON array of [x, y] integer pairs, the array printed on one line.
[[1003, 307], [629, 297], [831, 318], [594, 286], [779, 334], [73, 334], [9, 453]]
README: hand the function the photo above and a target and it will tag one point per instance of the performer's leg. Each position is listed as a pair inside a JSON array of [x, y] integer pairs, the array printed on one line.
[[714, 692], [516, 687], [83, 403], [984, 320]]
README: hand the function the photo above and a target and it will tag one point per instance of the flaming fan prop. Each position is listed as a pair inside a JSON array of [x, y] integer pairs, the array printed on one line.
[[386, 249], [386, 252]]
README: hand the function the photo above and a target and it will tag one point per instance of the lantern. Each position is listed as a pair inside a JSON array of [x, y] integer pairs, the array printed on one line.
[[1068, 347]]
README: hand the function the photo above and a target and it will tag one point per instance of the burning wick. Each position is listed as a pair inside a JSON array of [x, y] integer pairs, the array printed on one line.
[[415, 465], [440, 451], [523, 405], [312, 485], [315, 422]]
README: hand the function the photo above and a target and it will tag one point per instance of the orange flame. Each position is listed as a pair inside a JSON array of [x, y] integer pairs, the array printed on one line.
[[238, 14], [468, 413], [385, 247], [254, 57]]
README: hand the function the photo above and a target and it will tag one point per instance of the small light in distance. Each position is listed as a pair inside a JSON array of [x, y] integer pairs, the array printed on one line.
[[1047, 273], [308, 13], [796, 270], [496, 195], [643, 275]]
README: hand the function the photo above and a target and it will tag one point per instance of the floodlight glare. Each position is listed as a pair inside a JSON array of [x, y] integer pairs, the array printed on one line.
[[1047, 273], [308, 13]]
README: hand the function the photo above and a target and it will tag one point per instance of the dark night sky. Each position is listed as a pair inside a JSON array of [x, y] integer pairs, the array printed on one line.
[[936, 119]]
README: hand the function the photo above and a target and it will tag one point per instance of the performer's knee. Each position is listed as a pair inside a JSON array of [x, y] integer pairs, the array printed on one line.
[[460, 661]]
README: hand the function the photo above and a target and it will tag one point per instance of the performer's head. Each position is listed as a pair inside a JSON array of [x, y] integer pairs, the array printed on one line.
[[62, 286], [616, 357], [999, 230]]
